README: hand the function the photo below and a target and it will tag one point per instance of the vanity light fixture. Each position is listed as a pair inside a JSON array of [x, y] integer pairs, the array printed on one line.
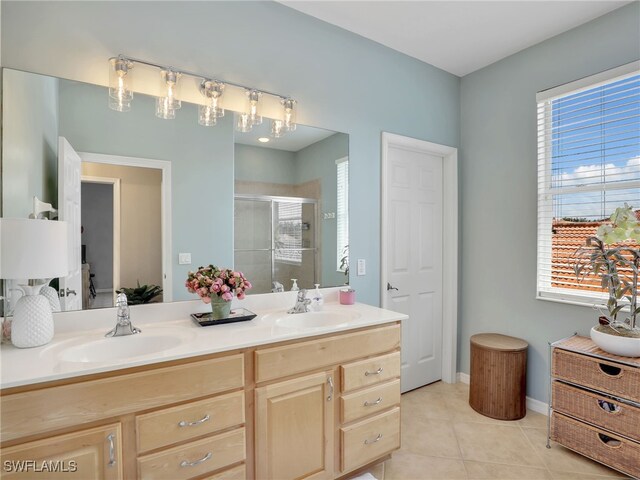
[[120, 92], [277, 128], [289, 119], [253, 107], [244, 125], [166, 106], [121, 95], [209, 113]]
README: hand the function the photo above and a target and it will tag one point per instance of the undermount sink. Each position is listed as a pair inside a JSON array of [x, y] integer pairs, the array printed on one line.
[[311, 319], [119, 348]]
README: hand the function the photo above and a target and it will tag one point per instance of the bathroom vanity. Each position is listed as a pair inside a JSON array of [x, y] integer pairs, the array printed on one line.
[[275, 398]]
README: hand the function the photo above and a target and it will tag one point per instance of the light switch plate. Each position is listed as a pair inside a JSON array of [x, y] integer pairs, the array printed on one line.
[[362, 269], [184, 258]]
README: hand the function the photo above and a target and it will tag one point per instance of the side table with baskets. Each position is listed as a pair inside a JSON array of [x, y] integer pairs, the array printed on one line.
[[594, 405]]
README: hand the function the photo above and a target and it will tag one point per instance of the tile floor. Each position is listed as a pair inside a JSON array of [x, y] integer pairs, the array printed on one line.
[[444, 438]]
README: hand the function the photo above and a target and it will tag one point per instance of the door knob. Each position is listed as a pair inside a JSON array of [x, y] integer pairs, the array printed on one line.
[[389, 287], [67, 293]]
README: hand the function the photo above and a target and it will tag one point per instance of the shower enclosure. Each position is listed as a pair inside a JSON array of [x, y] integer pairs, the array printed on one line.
[[276, 240]]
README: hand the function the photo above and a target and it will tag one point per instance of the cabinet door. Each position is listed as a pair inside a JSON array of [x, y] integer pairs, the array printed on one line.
[[294, 428], [94, 453]]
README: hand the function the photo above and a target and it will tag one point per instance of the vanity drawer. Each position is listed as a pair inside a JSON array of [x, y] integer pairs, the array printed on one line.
[[299, 357], [610, 377], [236, 473], [370, 371], [600, 445], [47, 409], [369, 439], [369, 401], [195, 458], [172, 425]]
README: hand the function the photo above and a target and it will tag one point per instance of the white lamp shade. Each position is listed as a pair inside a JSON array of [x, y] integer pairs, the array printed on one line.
[[33, 249]]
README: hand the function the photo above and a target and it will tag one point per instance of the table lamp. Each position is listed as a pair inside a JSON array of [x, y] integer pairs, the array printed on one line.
[[32, 249]]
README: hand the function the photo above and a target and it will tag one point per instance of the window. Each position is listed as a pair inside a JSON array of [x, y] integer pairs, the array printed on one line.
[[588, 165], [288, 239], [342, 214]]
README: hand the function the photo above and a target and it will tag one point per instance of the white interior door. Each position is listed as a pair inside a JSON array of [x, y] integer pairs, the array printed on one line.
[[69, 192], [413, 211]]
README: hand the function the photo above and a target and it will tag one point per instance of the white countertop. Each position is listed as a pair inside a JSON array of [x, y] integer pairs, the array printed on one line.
[[47, 363]]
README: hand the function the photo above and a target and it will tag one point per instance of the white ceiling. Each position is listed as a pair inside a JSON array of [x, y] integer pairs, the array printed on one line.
[[302, 137], [459, 36]]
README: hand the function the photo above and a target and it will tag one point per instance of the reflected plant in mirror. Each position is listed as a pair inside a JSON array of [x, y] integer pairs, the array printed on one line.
[[281, 208]]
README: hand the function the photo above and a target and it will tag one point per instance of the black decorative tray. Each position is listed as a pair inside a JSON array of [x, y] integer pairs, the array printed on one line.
[[237, 315]]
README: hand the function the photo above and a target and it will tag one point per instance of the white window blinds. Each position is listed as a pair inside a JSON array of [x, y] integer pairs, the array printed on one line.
[[342, 214], [288, 224], [588, 165]]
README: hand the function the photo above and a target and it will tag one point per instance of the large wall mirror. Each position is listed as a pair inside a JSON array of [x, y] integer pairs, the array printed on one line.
[[158, 198]]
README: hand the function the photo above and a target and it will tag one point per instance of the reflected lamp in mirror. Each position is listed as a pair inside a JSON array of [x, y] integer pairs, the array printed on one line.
[[32, 250], [120, 91]]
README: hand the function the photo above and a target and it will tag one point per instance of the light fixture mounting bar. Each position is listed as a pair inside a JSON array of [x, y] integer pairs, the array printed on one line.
[[200, 76]]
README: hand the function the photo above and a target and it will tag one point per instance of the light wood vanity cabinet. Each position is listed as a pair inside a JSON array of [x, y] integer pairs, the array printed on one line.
[[327, 424], [94, 453], [314, 408]]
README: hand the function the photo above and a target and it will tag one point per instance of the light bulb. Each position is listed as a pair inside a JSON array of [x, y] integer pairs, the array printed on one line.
[[209, 113], [243, 123], [166, 106], [120, 92], [277, 128], [253, 107], [289, 119]]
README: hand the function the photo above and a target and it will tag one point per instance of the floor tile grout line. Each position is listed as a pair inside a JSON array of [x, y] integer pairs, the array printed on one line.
[[535, 451], [455, 435]]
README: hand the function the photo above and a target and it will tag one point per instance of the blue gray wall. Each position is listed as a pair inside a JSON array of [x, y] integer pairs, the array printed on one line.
[[499, 180], [30, 142], [343, 82]]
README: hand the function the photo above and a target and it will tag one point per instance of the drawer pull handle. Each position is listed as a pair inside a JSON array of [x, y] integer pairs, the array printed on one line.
[[371, 404], [609, 441], [184, 423], [377, 372], [112, 450], [330, 382], [185, 463], [610, 370], [608, 406], [377, 439]]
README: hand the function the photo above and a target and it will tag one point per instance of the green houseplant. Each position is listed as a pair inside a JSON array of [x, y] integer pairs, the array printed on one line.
[[141, 294], [614, 255]]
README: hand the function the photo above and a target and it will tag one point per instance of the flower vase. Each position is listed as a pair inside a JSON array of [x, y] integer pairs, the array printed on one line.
[[220, 308]]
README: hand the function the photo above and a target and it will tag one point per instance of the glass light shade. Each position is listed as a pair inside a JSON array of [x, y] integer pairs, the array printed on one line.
[[253, 107], [243, 123], [277, 128], [212, 110], [120, 92], [289, 118], [33, 249], [166, 106]]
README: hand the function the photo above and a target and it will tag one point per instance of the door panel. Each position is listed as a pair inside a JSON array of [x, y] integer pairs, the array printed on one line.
[[414, 253]]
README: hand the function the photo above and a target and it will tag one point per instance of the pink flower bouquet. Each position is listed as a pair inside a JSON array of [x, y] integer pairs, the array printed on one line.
[[217, 283]]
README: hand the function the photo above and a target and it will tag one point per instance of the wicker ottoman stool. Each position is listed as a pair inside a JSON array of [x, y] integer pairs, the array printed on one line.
[[498, 382]]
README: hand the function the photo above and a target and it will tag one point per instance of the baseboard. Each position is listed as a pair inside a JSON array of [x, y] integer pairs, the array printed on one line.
[[532, 404]]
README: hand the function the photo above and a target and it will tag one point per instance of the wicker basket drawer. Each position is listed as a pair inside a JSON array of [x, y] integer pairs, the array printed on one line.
[[610, 377], [616, 452], [600, 410]]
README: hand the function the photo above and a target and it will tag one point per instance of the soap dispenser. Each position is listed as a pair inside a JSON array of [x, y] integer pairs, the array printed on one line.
[[317, 300], [294, 287]]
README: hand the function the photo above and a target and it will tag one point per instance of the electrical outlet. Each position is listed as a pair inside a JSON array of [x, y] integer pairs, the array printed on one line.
[[184, 259], [362, 268]]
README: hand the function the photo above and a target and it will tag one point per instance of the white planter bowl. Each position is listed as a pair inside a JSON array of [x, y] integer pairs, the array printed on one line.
[[623, 346]]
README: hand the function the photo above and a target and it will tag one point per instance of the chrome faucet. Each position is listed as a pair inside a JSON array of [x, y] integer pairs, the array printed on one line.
[[302, 303], [123, 327]]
